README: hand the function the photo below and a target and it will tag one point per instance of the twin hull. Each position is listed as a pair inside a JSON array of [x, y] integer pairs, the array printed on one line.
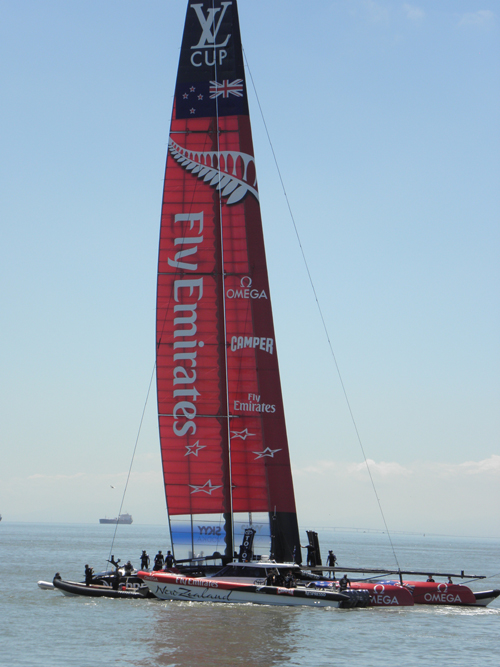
[[170, 586], [177, 587], [391, 593]]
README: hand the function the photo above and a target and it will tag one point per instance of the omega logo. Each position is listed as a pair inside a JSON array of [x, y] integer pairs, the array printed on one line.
[[246, 291]]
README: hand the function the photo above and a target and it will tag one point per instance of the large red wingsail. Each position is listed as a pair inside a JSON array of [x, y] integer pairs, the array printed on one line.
[[222, 427]]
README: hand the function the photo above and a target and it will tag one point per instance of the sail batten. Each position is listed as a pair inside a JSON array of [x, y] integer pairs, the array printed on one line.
[[221, 418]]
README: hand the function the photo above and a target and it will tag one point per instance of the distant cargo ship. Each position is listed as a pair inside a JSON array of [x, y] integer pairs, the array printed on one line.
[[123, 518]]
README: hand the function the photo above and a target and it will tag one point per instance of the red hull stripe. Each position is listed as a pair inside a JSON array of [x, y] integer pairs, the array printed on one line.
[[386, 595], [425, 592]]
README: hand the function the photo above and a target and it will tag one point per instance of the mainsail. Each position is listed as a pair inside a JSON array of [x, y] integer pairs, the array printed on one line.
[[222, 426]]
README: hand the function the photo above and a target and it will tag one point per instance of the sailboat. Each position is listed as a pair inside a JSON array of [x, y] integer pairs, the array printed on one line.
[[224, 447], [221, 418]]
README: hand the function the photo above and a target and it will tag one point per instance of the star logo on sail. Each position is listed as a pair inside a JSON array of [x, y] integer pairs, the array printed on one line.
[[194, 449], [204, 488], [241, 434], [266, 452]]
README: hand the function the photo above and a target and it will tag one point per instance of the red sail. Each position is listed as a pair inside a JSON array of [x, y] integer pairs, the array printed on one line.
[[222, 427]]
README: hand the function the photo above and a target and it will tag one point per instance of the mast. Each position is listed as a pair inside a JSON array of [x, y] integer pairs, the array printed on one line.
[[221, 418]]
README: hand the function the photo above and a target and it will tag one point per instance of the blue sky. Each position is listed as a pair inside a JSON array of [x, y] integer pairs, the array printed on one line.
[[384, 119]]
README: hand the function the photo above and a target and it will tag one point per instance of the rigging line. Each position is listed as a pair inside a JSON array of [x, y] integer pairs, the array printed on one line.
[[321, 313], [133, 456]]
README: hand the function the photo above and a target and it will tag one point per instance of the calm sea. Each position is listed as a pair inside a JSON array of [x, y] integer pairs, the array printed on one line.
[[44, 628]]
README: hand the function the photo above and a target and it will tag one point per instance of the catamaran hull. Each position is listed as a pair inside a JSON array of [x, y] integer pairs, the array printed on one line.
[[174, 587], [46, 585], [433, 593], [386, 595], [393, 594], [483, 598], [72, 588]]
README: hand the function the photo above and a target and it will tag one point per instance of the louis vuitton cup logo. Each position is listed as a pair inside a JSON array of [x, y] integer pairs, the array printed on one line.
[[209, 50]]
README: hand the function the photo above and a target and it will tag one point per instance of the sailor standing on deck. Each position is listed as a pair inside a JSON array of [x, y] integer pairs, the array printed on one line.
[[88, 575], [144, 560], [169, 560], [311, 555], [332, 559], [158, 561]]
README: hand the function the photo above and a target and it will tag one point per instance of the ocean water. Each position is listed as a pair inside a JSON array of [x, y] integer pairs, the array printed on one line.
[[45, 628]]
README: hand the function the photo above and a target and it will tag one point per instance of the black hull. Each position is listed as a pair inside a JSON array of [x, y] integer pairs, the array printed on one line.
[[94, 590], [484, 598]]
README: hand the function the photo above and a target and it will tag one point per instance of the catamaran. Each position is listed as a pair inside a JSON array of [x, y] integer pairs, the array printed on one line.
[[224, 447], [221, 418]]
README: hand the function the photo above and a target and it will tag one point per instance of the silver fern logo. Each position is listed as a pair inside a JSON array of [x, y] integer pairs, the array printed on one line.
[[226, 171]]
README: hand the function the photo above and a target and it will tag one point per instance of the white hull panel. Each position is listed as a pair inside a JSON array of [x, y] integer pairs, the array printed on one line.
[[483, 599], [207, 593], [46, 585]]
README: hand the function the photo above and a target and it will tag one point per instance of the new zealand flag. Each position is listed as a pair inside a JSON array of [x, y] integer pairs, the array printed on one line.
[[210, 98]]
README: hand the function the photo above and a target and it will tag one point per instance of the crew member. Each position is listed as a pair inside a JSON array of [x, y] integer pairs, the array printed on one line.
[[331, 559], [88, 575], [113, 561], [271, 578], [158, 561], [115, 580], [144, 560], [169, 560], [344, 583], [290, 580], [311, 555]]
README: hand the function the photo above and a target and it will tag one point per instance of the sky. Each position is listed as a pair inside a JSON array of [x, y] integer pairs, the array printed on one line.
[[384, 119]]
